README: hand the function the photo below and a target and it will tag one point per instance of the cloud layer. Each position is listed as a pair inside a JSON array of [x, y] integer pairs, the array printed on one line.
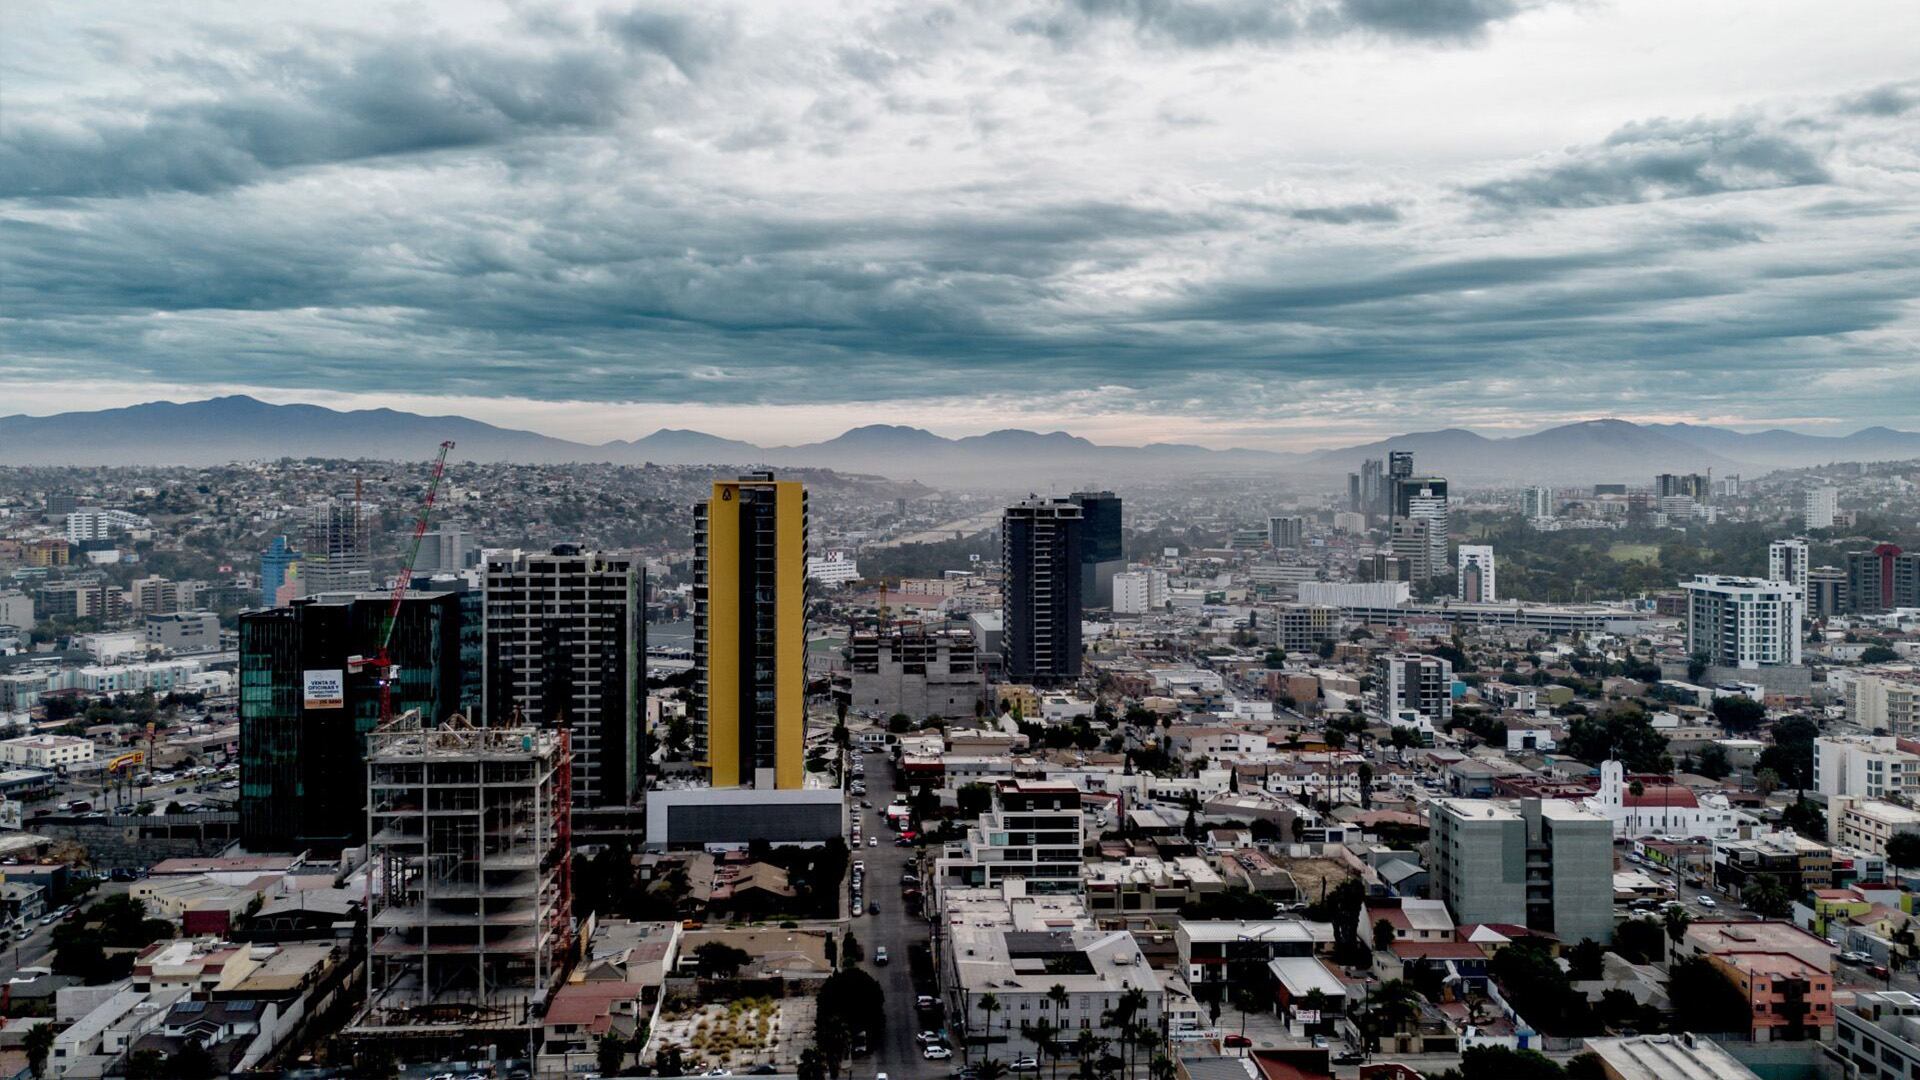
[[1258, 217]]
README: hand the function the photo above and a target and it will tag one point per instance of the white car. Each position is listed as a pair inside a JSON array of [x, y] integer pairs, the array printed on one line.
[[1705, 901], [1024, 1064], [873, 841], [936, 1053]]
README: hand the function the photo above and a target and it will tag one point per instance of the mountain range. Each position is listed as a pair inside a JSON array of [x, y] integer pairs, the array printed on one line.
[[220, 430]]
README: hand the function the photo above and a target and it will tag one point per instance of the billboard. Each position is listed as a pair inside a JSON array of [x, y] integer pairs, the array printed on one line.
[[324, 689]]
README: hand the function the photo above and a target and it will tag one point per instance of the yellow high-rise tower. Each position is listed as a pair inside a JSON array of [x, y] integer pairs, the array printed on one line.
[[750, 631]]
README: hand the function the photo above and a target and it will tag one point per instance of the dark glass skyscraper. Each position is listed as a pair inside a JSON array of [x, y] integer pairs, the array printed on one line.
[[305, 711], [1041, 556], [1102, 553], [566, 645]]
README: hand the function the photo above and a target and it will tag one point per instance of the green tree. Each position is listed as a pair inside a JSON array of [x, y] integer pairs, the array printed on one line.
[[611, 1054], [1640, 941], [990, 1004], [719, 960], [1585, 960], [1903, 849], [192, 1062], [1714, 763], [1626, 733], [153, 1065], [1382, 935], [1738, 714], [1704, 1001], [1766, 896], [38, 1044], [1878, 654]]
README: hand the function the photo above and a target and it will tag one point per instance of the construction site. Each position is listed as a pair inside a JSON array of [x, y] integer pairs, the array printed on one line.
[[469, 831]]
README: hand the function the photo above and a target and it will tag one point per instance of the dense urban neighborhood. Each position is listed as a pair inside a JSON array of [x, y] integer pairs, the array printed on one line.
[[452, 769]]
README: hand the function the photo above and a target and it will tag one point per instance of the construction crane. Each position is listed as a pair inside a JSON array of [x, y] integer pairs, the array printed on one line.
[[380, 663]]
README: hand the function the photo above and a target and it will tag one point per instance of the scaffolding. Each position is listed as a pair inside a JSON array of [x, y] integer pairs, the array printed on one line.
[[468, 850]]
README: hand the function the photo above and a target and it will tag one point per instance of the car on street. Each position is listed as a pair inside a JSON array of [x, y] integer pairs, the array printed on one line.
[[880, 955], [1856, 957], [936, 1052], [873, 841], [1024, 1064], [1705, 901], [927, 1037], [1349, 1057], [1238, 1041], [924, 1001], [873, 909], [866, 804], [763, 1069]]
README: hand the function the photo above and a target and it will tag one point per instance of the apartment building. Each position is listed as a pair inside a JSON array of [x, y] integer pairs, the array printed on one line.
[[1886, 701], [1034, 832], [1864, 766], [1543, 864], [1867, 824]]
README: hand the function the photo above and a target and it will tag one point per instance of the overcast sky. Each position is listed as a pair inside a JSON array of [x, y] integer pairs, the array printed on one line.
[[1277, 223]]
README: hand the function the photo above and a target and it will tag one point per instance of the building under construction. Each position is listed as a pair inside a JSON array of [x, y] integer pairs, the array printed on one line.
[[469, 831]]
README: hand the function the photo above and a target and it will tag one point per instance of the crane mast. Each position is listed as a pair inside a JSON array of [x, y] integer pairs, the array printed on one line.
[[381, 662]]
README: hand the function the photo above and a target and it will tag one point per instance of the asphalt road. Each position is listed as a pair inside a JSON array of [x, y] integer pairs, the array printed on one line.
[[896, 1053], [37, 949]]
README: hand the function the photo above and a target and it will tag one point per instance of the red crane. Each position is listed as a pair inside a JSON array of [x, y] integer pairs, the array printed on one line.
[[380, 662]]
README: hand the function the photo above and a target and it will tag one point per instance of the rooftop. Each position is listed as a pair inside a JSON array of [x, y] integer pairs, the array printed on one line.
[[1668, 1057]]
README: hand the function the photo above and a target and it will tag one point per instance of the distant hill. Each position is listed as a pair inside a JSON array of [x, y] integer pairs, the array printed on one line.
[[220, 430]]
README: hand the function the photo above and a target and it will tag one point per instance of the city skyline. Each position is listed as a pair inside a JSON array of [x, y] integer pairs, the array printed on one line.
[[1280, 226]]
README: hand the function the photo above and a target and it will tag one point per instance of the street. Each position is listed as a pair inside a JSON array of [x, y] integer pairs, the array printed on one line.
[[896, 1053], [37, 949]]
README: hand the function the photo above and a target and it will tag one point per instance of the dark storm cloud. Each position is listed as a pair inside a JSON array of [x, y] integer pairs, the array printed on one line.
[[1208, 24], [1664, 159], [1348, 213], [690, 38], [383, 99], [1893, 99]]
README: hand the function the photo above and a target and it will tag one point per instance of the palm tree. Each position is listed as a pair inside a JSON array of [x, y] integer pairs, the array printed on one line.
[[991, 1070], [989, 1004], [1041, 1033], [39, 1043], [1057, 994], [1123, 1016], [1396, 1003], [1314, 1001], [1677, 921]]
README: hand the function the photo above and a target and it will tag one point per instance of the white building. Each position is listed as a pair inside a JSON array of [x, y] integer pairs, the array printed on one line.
[[1412, 690], [833, 568], [1368, 594], [1822, 504], [1739, 622], [1033, 833], [1537, 503], [1477, 582], [1137, 592], [1885, 701], [1015, 948], [1660, 809], [90, 524], [46, 751], [1864, 766], [1787, 561]]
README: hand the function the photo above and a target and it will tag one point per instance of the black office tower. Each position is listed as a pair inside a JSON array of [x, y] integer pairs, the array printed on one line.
[[1040, 551], [565, 646], [305, 711], [1102, 553]]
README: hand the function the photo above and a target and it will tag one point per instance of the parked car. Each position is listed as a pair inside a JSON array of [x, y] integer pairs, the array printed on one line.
[[1878, 971], [927, 1037], [924, 1001], [1349, 1057], [1238, 1041], [1024, 1064], [936, 1052]]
